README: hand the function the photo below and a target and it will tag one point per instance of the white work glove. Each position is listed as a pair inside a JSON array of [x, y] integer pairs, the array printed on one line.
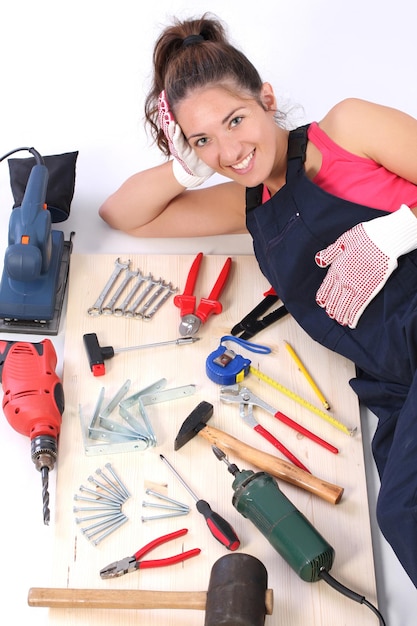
[[361, 261], [189, 170]]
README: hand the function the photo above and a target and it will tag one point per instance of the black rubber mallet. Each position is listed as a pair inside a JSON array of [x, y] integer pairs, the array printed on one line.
[[237, 595]]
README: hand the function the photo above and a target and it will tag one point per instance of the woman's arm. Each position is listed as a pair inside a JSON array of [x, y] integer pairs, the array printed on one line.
[[153, 204], [381, 133]]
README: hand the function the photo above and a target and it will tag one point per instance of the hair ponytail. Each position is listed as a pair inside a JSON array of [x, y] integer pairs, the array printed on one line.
[[193, 54]]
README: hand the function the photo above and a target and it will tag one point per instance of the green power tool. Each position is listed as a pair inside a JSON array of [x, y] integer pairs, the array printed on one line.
[[258, 498]]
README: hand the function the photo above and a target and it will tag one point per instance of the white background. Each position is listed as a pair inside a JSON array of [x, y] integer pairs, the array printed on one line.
[[73, 76]]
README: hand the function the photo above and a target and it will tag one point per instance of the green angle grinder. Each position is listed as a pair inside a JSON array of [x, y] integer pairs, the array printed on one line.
[[258, 498]]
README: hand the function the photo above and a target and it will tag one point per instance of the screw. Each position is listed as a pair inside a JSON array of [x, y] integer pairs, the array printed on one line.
[[117, 479]]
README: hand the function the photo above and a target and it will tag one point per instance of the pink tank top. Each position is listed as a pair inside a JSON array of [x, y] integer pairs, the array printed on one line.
[[359, 179]]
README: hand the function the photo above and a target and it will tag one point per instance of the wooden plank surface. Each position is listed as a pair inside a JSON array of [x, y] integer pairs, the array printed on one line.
[[345, 526]]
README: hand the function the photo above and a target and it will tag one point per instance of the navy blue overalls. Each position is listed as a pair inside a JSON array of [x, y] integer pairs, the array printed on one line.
[[288, 230]]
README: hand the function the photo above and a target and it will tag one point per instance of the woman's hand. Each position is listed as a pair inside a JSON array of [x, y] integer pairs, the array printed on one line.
[[188, 168], [361, 261]]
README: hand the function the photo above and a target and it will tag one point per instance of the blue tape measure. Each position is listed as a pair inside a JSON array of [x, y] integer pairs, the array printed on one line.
[[225, 367]]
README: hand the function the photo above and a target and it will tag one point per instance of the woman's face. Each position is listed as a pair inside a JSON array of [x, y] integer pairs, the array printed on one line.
[[235, 135]]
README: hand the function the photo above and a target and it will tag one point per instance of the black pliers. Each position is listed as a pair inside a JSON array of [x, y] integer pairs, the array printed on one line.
[[132, 563], [250, 325]]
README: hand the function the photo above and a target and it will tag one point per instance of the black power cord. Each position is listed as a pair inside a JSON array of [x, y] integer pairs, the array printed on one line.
[[324, 575], [35, 153]]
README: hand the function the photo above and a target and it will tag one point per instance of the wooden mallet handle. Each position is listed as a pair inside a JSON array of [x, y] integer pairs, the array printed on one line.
[[124, 599], [273, 465]]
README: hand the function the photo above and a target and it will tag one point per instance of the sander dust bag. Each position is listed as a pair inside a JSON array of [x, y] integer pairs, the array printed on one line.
[[61, 182]]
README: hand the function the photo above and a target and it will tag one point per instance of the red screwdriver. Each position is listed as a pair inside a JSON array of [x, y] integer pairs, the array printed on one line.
[[219, 528]]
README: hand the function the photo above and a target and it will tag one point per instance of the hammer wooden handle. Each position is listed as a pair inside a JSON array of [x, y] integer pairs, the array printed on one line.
[[273, 465], [124, 599]]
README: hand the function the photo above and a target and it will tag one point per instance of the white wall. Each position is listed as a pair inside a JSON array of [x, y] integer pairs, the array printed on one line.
[[73, 75]]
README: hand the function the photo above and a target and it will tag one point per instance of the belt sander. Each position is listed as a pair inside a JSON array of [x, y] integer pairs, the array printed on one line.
[[36, 262]]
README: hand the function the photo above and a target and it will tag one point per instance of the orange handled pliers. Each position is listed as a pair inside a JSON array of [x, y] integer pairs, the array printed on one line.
[[190, 320], [132, 563]]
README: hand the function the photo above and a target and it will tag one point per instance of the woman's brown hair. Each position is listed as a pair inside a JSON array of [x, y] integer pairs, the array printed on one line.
[[191, 54]]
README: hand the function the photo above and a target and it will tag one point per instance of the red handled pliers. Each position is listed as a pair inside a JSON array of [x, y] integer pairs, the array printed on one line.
[[190, 320], [132, 563]]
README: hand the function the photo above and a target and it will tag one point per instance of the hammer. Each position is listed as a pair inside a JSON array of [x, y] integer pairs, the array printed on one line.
[[237, 595], [196, 424]]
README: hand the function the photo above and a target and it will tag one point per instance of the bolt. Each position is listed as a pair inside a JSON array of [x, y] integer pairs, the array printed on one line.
[[121, 493], [99, 526], [150, 492], [117, 479], [97, 500], [80, 520], [77, 509], [154, 505], [110, 491], [98, 495], [108, 532], [165, 515]]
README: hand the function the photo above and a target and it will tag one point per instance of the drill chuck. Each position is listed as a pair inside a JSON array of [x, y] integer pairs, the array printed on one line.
[[44, 452], [258, 498]]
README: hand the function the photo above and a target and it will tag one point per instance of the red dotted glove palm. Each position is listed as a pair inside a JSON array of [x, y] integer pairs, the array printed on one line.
[[188, 168], [361, 261]]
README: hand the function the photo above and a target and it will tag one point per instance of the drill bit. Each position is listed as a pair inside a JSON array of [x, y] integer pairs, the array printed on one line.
[[45, 495], [231, 467], [44, 453]]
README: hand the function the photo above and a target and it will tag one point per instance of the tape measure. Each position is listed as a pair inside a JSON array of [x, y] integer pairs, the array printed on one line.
[[307, 405], [225, 367]]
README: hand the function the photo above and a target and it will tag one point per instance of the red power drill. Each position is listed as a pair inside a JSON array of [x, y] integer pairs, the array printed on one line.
[[33, 402]]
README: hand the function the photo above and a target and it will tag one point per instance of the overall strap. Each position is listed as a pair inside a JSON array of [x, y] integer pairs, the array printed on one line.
[[296, 155], [297, 147]]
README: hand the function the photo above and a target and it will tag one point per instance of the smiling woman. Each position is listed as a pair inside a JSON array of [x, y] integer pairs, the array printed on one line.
[[326, 195]]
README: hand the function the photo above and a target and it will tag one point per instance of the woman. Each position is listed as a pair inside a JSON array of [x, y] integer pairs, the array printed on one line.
[[332, 211]]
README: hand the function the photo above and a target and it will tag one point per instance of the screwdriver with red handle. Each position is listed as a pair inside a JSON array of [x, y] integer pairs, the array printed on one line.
[[33, 402], [218, 526]]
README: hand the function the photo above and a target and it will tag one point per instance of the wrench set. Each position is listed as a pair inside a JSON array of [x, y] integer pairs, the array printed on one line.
[[129, 293]]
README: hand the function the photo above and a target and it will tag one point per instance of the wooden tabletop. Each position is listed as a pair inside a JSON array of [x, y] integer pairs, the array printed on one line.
[[346, 526]]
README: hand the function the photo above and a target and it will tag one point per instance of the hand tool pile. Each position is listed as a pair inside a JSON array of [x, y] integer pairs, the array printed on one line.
[[237, 591], [140, 300]]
